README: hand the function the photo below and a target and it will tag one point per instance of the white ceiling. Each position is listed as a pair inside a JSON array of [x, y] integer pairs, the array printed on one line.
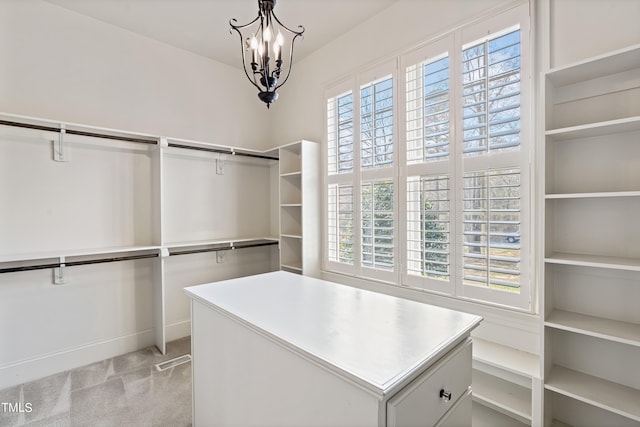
[[202, 26]]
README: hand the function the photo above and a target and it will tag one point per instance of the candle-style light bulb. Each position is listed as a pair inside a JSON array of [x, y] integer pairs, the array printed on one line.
[[260, 51], [278, 51], [267, 34], [280, 39], [253, 45], [253, 42], [277, 46]]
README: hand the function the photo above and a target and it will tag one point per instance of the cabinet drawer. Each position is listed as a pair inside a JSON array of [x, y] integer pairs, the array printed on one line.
[[461, 413], [419, 403]]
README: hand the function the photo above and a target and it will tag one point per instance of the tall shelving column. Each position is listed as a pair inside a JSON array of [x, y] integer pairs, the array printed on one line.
[[299, 208], [592, 242]]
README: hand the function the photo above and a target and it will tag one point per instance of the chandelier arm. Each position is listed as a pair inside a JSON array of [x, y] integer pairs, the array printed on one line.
[[238, 27], [297, 33], [244, 62], [290, 62]]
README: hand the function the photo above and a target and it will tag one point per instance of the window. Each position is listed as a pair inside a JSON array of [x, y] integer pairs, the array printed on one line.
[[377, 224], [492, 229], [428, 227], [443, 205], [341, 201], [340, 134], [340, 223], [428, 110], [491, 94], [361, 223], [376, 124]]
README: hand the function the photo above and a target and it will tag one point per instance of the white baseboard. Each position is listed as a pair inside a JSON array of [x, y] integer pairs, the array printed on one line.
[[177, 330], [42, 366]]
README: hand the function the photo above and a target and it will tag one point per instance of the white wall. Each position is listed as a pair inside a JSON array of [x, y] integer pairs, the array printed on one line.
[[581, 29], [60, 65], [402, 26]]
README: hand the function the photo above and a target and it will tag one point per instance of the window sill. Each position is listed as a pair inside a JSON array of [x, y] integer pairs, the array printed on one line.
[[509, 327]]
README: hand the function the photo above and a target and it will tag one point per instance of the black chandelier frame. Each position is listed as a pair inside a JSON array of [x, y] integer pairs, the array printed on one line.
[[263, 75]]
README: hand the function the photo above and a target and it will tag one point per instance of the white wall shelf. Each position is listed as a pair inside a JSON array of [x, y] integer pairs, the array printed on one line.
[[596, 195], [222, 241], [591, 326], [484, 416], [502, 396], [605, 65], [503, 380], [599, 392], [298, 173], [599, 261], [35, 256], [614, 330], [627, 124], [506, 358]]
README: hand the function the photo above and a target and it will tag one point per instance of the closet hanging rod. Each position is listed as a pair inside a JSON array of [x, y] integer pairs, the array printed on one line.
[[75, 263], [79, 132], [220, 150], [131, 139], [223, 248]]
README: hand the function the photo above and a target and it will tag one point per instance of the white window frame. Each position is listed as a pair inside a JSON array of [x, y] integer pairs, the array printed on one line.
[[454, 166], [343, 178], [446, 166], [375, 74], [487, 29]]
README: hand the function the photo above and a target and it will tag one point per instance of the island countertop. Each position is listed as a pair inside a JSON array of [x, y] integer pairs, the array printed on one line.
[[377, 340]]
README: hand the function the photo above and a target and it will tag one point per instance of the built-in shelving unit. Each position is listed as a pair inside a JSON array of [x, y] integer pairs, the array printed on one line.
[[299, 208], [125, 221], [591, 328]]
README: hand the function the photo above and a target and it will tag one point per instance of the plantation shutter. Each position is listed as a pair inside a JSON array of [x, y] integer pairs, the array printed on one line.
[[340, 223], [491, 94], [491, 242], [428, 227], [377, 224]]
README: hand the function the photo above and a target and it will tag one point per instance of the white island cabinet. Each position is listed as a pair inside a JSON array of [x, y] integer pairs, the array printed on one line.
[[280, 349]]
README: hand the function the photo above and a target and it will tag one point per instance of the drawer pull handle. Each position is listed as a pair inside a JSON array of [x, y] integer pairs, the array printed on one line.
[[445, 395]]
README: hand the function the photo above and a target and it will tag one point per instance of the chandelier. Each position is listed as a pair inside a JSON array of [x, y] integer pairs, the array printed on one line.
[[262, 51]]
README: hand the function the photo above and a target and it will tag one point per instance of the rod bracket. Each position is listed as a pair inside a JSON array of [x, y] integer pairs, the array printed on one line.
[[220, 164], [163, 142], [58, 273], [60, 146]]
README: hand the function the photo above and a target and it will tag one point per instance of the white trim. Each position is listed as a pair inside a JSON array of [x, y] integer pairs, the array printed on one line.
[[517, 320], [177, 330], [42, 366], [521, 159]]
